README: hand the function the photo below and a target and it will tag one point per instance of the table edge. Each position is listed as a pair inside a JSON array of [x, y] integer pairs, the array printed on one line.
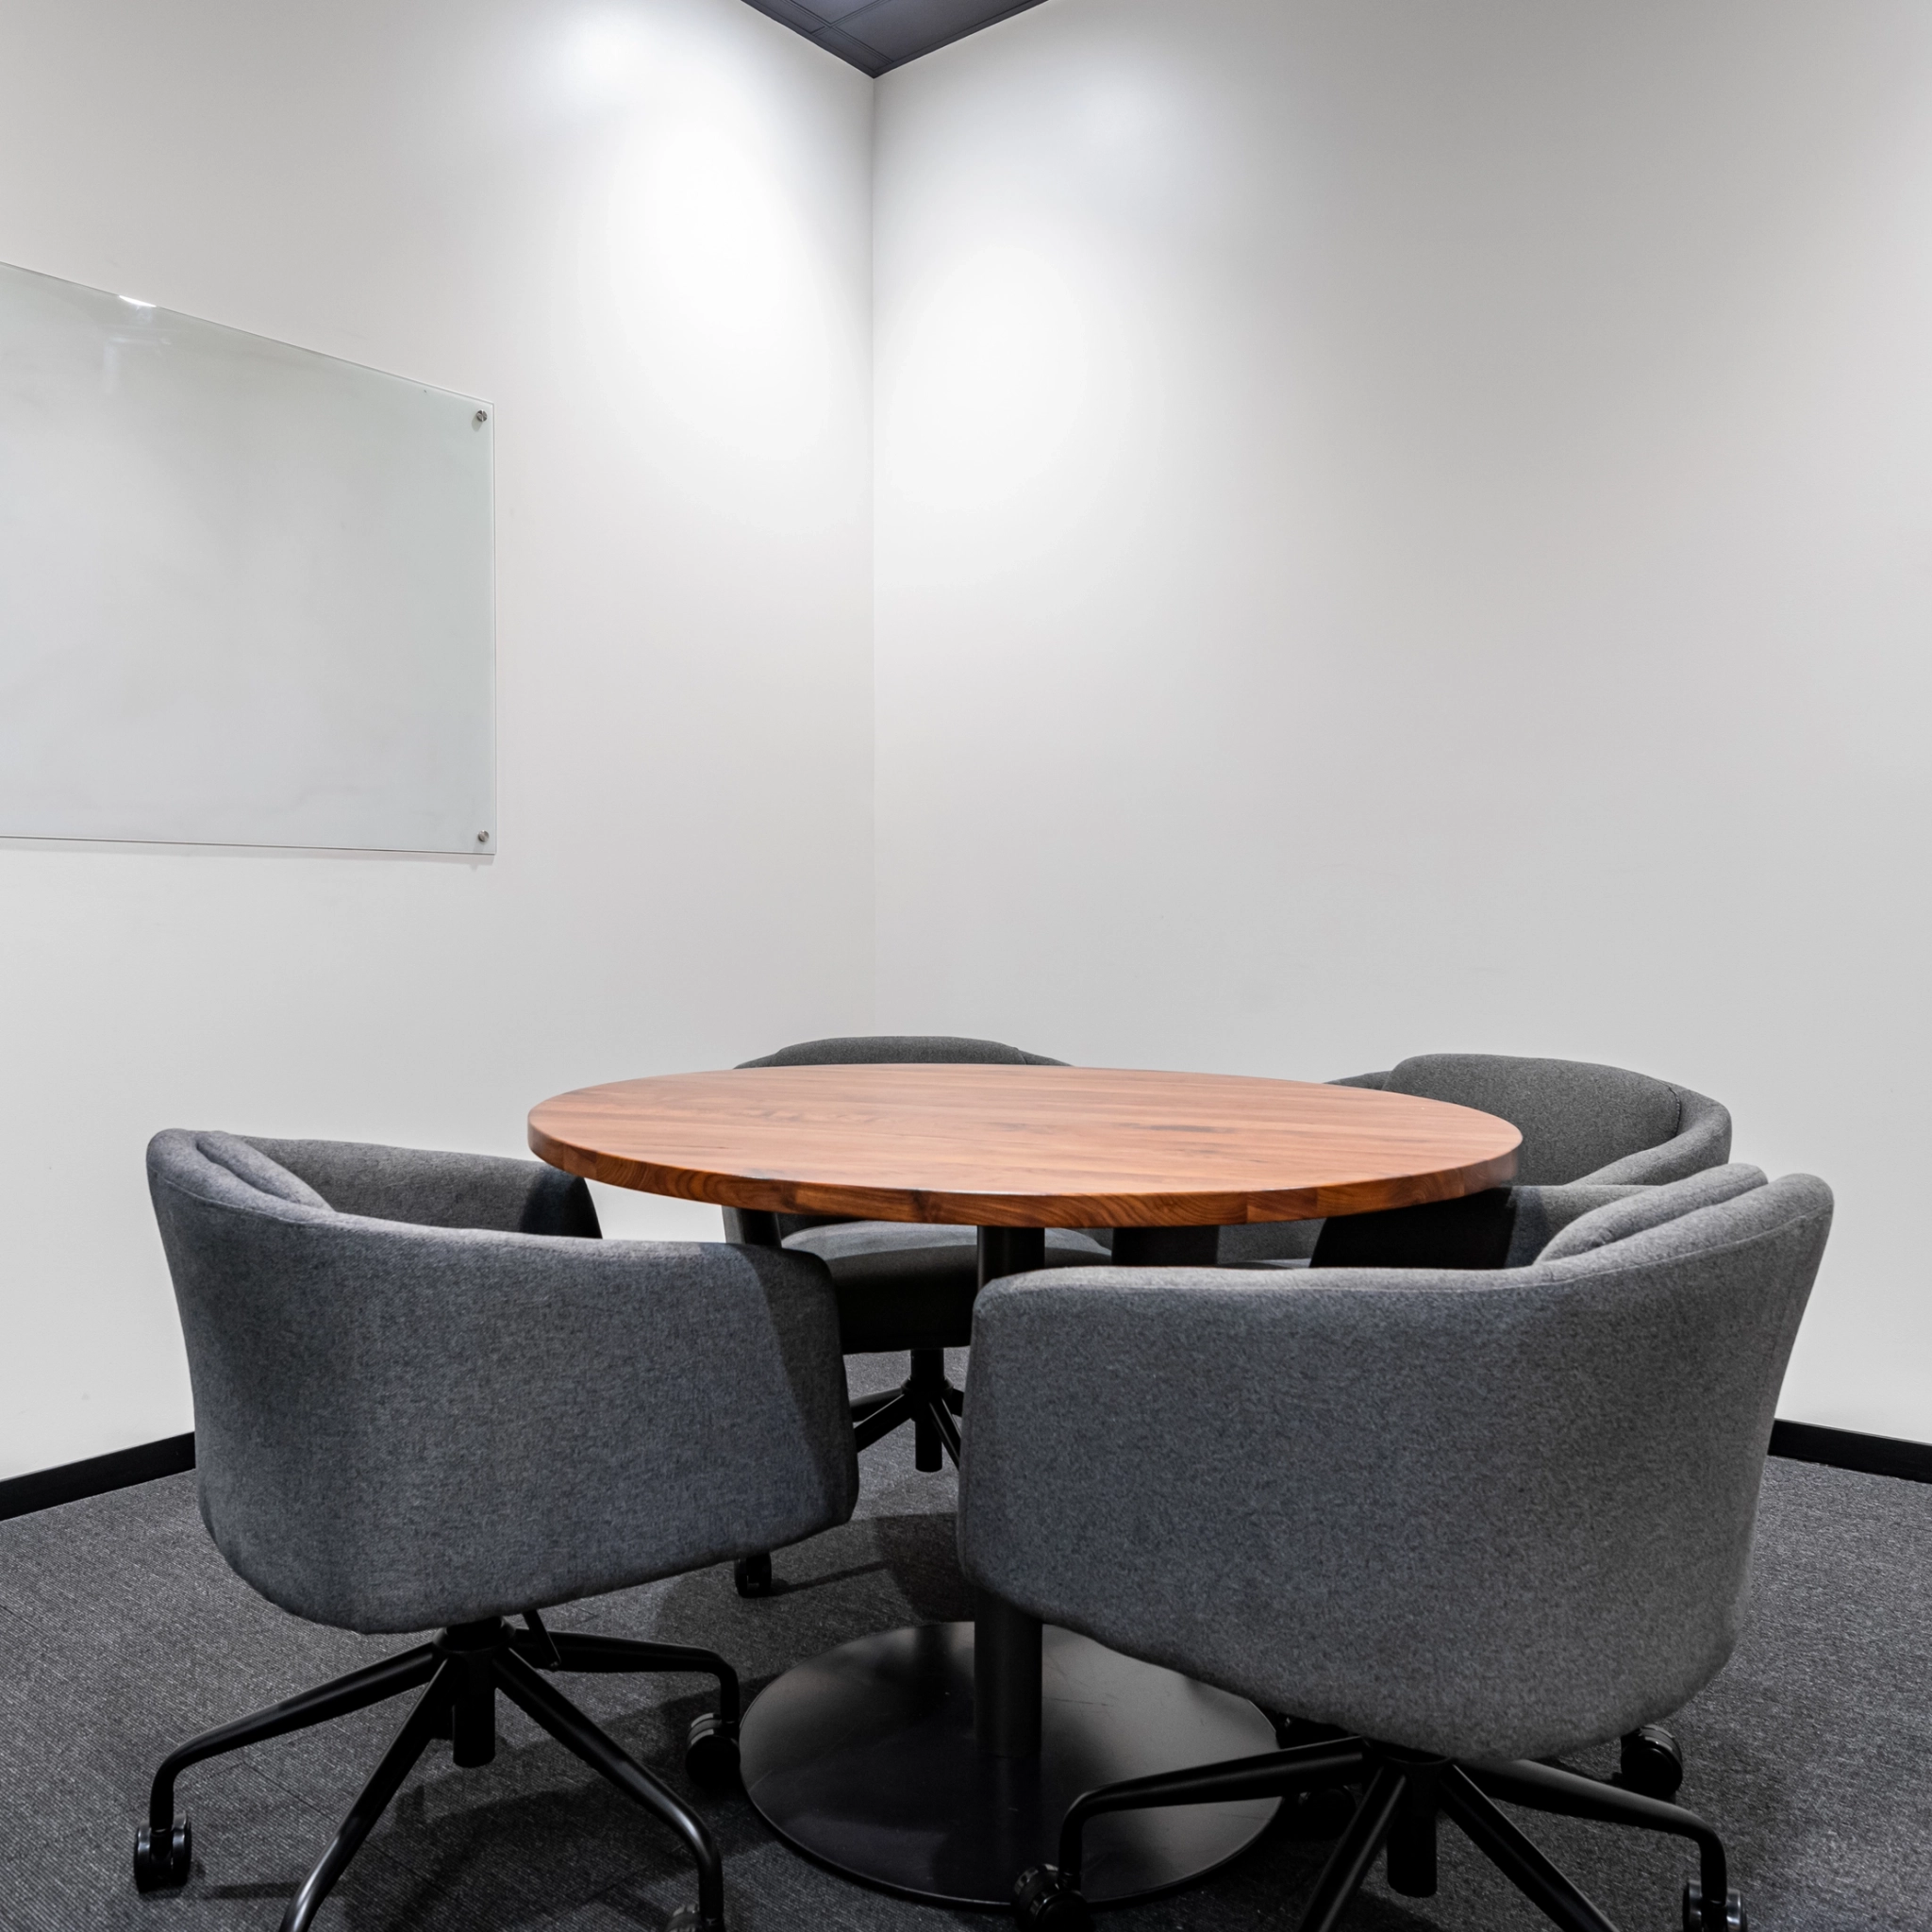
[[967, 1209]]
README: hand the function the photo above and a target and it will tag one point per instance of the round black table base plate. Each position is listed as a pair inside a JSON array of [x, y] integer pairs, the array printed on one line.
[[864, 1760]]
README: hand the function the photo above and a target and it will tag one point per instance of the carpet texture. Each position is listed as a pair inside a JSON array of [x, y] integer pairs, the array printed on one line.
[[123, 1633]]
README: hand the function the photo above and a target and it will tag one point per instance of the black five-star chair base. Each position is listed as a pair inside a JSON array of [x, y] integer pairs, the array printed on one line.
[[464, 1668], [1406, 1793]]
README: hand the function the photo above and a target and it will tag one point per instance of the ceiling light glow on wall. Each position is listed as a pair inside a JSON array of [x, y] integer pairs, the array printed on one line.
[[606, 57]]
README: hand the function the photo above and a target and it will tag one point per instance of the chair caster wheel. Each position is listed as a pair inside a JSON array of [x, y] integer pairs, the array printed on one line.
[[752, 1575], [688, 1919], [1324, 1813], [163, 1867], [710, 1756], [1698, 1919], [1651, 1763], [1044, 1902]]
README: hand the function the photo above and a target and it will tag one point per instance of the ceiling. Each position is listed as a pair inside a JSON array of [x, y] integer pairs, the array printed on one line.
[[879, 35]]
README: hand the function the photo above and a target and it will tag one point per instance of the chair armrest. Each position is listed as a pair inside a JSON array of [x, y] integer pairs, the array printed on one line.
[[1702, 1139], [1541, 1213], [439, 1190]]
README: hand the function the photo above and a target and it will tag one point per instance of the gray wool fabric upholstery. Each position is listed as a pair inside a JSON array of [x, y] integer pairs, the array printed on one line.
[[1511, 1227], [902, 1049], [1267, 1242], [401, 1425], [1582, 1124], [436, 1190], [1579, 1121], [1647, 1207], [1497, 1515]]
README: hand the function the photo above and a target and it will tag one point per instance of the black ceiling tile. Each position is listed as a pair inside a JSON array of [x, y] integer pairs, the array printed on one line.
[[807, 20], [875, 35], [869, 60]]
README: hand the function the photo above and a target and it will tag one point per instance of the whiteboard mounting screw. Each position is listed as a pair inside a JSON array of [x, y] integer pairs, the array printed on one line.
[[482, 415], [482, 838]]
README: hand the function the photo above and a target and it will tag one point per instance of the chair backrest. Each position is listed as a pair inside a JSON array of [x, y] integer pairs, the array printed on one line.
[[401, 1425], [1492, 1515], [1578, 1120], [902, 1049], [878, 1050]]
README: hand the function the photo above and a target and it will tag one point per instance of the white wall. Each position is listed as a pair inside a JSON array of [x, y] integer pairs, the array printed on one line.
[[641, 230], [1400, 526], [1406, 525]]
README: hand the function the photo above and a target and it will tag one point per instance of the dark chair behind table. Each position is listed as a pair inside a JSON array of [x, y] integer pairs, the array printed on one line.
[[1582, 1125], [903, 1287], [1463, 1522], [426, 1397]]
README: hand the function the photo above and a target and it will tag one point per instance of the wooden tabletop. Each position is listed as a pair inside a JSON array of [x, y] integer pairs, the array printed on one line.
[[1023, 1147]]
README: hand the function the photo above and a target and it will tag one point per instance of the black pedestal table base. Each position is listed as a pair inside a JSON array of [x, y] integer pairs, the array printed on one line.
[[866, 1760]]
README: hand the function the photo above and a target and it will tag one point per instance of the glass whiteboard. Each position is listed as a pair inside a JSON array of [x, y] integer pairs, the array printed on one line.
[[246, 591]]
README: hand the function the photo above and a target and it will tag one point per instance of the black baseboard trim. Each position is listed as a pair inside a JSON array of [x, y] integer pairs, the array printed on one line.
[[20, 1495], [1847, 1449]]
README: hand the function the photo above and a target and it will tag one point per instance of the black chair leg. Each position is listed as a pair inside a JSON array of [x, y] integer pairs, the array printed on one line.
[[576, 1733], [1046, 1898], [1516, 1858], [1273, 1774], [626, 1654], [925, 1391], [163, 1849], [410, 1743], [1571, 1794], [1406, 1795], [710, 1750], [1358, 1849], [464, 1668], [893, 1414]]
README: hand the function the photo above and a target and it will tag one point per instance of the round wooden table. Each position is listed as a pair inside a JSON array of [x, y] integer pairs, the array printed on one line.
[[938, 1761]]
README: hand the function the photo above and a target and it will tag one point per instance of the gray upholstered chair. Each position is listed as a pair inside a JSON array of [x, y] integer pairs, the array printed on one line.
[[1466, 1520], [424, 1398], [1581, 1122], [901, 1284]]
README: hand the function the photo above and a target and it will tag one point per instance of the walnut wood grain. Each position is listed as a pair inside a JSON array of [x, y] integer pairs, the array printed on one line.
[[1022, 1146]]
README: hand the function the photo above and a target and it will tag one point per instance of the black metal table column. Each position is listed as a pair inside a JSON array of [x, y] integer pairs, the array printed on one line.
[[938, 1761]]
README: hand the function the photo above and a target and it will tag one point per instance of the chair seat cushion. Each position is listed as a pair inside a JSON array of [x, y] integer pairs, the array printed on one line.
[[911, 1285]]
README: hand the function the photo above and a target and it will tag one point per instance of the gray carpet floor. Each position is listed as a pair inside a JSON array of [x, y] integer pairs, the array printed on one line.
[[123, 1633]]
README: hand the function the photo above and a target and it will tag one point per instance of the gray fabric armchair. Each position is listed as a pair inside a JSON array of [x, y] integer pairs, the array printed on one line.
[[1464, 1520], [1582, 1125], [1580, 1122], [425, 1395], [900, 1284]]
